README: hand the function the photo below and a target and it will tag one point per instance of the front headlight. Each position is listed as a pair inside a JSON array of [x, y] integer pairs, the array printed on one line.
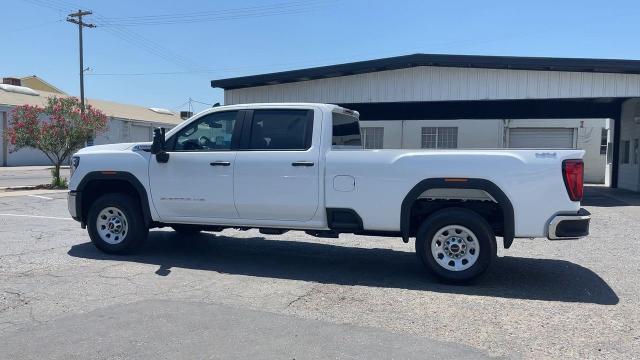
[[75, 162]]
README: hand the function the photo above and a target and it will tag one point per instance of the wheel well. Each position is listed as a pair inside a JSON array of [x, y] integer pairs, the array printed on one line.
[[478, 195], [96, 188], [96, 184], [491, 211]]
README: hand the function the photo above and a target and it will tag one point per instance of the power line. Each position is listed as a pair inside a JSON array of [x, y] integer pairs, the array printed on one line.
[[228, 14], [126, 35], [222, 11]]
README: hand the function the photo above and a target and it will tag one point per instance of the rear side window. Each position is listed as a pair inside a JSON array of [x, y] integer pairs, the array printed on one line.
[[346, 132], [281, 129]]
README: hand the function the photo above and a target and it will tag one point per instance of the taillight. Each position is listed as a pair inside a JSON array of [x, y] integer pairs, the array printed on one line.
[[573, 174]]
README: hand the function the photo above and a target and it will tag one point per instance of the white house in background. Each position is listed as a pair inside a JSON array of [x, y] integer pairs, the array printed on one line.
[[590, 135], [127, 123]]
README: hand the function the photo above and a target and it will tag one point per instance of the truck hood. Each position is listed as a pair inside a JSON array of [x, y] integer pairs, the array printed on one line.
[[110, 147]]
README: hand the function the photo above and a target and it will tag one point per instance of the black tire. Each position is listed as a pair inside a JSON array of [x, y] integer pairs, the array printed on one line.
[[486, 244], [187, 230], [136, 229]]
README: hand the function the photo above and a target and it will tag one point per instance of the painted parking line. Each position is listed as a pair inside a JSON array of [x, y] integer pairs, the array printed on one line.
[[38, 216], [41, 197]]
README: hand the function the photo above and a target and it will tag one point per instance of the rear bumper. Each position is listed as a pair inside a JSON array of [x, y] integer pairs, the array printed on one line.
[[570, 226]]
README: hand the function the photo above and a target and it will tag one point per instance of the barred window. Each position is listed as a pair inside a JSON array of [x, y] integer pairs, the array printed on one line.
[[372, 137], [439, 137]]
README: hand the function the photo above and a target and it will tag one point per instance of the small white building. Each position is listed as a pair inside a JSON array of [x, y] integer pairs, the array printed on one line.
[[127, 123]]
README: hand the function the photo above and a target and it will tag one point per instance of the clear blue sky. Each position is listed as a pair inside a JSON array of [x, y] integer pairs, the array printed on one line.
[[223, 38]]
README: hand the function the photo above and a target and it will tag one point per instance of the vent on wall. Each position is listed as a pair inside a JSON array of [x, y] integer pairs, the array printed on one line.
[[12, 81]]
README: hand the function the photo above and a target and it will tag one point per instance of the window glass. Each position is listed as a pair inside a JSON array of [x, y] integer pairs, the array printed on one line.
[[281, 130], [346, 131], [635, 150], [373, 137], [603, 141], [439, 137], [211, 132], [626, 148]]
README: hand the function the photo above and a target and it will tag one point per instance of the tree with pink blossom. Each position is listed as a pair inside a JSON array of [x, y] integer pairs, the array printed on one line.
[[58, 129]]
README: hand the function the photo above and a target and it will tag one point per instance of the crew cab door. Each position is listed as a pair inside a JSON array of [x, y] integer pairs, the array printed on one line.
[[277, 166], [197, 181]]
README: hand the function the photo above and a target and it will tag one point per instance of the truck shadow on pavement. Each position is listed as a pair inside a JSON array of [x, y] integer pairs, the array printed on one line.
[[509, 277]]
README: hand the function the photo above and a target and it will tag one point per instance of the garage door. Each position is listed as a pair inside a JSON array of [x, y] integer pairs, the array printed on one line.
[[140, 133], [541, 138]]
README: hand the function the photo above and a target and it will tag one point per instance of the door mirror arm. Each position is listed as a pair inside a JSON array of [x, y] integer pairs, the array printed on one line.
[[158, 147]]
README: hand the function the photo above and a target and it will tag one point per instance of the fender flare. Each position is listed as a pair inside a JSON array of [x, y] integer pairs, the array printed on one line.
[[120, 176], [481, 184]]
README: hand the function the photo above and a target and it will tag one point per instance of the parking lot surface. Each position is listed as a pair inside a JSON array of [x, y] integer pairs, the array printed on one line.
[[244, 294]]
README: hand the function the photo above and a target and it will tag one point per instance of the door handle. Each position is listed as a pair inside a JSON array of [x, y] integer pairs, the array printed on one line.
[[220, 163], [302, 163]]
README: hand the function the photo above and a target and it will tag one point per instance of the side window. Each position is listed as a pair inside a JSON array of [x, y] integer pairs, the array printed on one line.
[[346, 132], [281, 130], [211, 132]]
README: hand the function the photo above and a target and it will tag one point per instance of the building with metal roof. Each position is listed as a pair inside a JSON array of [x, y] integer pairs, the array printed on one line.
[[407, 100]]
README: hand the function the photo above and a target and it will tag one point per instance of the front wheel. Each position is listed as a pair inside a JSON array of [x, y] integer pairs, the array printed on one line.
[[115, 224], [456, 244]]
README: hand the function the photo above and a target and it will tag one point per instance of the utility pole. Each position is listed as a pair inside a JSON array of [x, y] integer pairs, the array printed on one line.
[[71, 19]]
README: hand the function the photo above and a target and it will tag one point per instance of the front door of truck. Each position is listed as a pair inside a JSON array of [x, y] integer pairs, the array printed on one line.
[[277, 166], [197, 181]]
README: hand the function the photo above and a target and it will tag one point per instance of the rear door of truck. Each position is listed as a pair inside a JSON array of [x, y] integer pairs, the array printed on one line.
[[277, 166]]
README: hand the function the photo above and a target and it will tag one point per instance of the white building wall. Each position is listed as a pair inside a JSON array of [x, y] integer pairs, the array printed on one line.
[[472, 134], [3, 149], [430, 83], [629, 174], [587, 136], [392, 136], [490, 133]]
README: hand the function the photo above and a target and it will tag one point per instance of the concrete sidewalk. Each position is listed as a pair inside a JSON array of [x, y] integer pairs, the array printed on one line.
[[17, 176]]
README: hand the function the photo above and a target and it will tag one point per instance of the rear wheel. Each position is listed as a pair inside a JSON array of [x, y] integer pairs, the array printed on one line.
[[115, 224], [456, 244]]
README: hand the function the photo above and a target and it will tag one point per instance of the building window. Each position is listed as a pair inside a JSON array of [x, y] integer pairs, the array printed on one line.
[[439, 137], [603, 142], [626, 148], [635, 151], [372, 137]]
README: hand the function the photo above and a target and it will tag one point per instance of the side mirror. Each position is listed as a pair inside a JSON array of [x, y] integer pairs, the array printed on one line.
[[158, 147], [158, 141]]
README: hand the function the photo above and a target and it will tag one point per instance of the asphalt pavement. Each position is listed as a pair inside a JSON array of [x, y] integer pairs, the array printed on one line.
[[241, 294]]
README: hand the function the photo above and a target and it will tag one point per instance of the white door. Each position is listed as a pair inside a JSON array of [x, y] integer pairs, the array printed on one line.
[[140, 133], [277, 170], [541, 138], [197, 181]]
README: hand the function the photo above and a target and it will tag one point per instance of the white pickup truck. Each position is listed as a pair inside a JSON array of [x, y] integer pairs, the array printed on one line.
[[280, 167]]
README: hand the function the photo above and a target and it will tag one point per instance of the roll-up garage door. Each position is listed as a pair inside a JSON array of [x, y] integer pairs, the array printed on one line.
[[140, 133], [541, 138]]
